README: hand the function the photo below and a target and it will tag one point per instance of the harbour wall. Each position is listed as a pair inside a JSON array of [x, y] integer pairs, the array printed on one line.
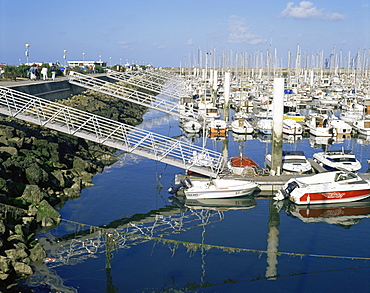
[[53, 90]]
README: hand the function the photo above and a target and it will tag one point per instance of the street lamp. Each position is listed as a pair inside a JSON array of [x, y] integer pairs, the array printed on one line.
[[83, 57], [64, 57], [110, 61], [27, 46]]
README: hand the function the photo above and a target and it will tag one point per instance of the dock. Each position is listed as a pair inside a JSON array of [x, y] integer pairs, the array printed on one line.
[[268, 185]]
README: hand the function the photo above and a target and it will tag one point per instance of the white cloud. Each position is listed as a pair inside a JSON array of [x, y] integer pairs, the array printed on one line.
[[240, 33], [190, 42], [124, 44], [307, 10], [159, 46]]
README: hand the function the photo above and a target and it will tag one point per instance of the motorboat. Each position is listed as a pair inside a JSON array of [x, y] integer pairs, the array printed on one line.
[[239, 165], [214, 188], [242, 126], [296, 116], [191, 126], [341, 127], [292, 162], [265, 126], [320, 126], [338, 160], [292, 127], [218, 127], [362, 126], [326, 187]]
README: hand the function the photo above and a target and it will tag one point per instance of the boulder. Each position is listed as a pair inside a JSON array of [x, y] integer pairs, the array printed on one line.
[[36, 175], [22, 269], [34, 194], [37, 253], [47, 215], [5, 266], [9, 150]]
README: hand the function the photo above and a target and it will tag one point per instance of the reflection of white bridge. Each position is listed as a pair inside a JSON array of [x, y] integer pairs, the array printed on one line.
[[73, 248], [108, 132]]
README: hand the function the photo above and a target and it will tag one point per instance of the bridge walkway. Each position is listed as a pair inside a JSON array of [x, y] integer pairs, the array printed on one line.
[[173, 88], [132, 95], [109, 132]]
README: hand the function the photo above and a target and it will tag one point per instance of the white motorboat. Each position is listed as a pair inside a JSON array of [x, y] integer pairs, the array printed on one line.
[[294, 116], [320, 126], [265, 126], [327, 187], [293, 162], [214, 188], [242, 126], [362, 126], [341, 127], [338, 160], [239, 165], [292, 127], [191, 126], [218, 127]]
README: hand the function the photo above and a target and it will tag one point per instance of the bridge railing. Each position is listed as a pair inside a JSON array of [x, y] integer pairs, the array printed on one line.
[[109, 132], [171, 88], [131, 95]]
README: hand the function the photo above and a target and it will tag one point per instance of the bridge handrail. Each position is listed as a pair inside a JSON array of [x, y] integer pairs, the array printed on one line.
[[170, 88], [104, 130], [130, 95]]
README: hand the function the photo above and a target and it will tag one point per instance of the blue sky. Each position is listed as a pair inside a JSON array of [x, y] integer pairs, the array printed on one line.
[[169, 33]]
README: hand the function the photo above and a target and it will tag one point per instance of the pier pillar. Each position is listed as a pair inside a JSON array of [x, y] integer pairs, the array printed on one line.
[[215, 80], [277, 131], [272, 242], [227, 95]]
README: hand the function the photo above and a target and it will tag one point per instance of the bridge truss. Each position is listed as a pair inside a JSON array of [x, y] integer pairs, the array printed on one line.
[[109, 132]]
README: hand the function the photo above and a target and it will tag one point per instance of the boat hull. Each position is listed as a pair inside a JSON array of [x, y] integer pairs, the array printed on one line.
[[219, 188], [327, 187]]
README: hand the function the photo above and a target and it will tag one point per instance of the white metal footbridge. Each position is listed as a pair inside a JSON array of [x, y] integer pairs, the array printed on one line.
[[132, 95], [158, 82], [109, 132]]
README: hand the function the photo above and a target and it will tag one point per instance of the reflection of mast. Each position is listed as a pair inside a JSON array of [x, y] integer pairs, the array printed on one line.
[[272, 242]]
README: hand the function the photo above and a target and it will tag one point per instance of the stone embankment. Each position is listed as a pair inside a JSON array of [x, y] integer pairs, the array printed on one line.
[[39, 170]]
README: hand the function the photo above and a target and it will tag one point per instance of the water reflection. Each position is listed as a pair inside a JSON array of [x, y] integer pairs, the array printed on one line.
[[343, 214], [222, 204]]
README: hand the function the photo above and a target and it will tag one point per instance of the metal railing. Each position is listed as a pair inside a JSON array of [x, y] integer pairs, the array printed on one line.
[[132, 95], [109, 132], [171, 88]]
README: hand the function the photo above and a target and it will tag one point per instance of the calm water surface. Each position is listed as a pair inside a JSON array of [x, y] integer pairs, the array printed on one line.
[[153, 243]]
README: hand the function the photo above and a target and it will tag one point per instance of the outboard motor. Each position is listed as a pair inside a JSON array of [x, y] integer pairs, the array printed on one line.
[[184, 183]]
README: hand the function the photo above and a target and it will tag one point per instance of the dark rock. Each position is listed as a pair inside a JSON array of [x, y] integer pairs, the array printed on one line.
[[34, 194]]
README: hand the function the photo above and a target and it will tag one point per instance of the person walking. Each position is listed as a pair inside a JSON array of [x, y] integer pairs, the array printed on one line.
[[37, 72], [53, 70], [44, 72], [33, 72]]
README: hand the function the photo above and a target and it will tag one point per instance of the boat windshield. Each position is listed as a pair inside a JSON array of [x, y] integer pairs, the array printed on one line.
[[294, 161], [342, 159]]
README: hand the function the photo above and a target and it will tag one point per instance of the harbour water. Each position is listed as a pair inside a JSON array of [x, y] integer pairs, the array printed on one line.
[[126, 234]]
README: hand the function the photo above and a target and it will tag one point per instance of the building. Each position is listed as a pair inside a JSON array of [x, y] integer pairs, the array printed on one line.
[[87, 64]]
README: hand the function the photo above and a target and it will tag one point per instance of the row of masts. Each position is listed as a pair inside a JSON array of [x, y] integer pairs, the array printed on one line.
[[333, 63]]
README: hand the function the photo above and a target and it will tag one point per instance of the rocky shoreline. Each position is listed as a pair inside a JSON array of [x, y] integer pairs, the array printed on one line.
[[40, 169]]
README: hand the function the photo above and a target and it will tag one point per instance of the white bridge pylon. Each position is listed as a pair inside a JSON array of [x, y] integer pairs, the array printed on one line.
[[109, 132], [131, 95], [148, 79]]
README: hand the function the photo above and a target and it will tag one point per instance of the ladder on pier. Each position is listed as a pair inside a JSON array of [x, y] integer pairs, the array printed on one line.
[[171, 87], [132, 95], [109, 132]]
